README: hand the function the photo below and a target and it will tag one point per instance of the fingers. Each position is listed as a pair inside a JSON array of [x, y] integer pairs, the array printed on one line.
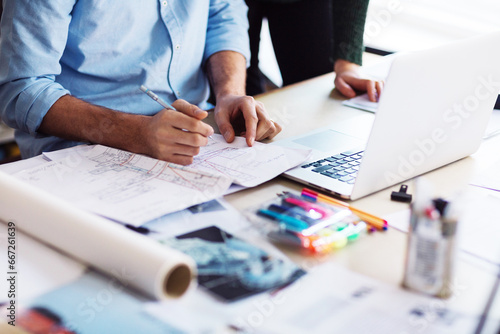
[[258, 125], [187, 130], [230, 110], [371, 90], [226, 129], [176, 137], [189, 109], [251, 120], [380, 86], [186, 138], [374, 89], [266, 128], [347, 86], [180, 154], [349, 80], [344, 88], [184, 121]]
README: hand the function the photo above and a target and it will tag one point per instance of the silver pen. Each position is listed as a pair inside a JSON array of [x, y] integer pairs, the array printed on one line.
[[156, 98], [160, 101]]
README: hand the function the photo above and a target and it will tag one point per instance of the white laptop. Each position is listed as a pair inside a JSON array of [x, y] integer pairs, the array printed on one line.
[[434, 110]]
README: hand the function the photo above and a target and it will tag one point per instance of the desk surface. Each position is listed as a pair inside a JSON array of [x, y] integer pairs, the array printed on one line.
[[300, 108]]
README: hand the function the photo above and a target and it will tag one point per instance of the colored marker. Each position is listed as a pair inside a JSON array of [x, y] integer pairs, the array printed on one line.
[[335, 219], [290, 222], [374, 221], [295, 212], [310, 207]]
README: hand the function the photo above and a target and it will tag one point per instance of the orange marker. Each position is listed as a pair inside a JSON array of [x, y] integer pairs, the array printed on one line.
[[377, 222]]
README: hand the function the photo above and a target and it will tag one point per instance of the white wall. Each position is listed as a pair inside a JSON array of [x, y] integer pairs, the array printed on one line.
[[396, 25]]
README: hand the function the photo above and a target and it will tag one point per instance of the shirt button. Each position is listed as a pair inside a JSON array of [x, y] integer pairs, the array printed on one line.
[[164, 3], [177, 46]]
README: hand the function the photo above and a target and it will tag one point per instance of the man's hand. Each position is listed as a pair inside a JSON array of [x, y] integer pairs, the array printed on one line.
[[236, 113], [348, 81], [174, 136], [242, 115], [177, 136]]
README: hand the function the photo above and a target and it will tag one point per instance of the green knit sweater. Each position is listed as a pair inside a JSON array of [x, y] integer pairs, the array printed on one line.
[[348, 27]]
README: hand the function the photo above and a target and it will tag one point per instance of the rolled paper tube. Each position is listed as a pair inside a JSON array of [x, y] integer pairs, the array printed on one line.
[[135, 260]]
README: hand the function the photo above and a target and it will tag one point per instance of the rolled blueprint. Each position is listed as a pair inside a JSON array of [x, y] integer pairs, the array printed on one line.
[[135, 260]]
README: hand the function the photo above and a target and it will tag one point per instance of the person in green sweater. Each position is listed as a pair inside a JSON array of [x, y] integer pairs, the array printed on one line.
[[310, 38]]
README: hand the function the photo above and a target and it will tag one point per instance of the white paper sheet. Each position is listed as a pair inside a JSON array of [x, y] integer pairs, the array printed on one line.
[[247, 166], [123, 186], [332, 299], [479, 226], [40, 268], [136, 261], [17, 166], [216, 212], [489, 177], [72, 155], [378, 70], [361, 102]]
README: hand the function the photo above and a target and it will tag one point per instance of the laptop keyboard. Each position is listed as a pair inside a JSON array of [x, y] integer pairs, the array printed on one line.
[[343, 167]]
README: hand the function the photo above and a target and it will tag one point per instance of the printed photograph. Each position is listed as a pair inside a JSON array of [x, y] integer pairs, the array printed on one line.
[[231, 268]]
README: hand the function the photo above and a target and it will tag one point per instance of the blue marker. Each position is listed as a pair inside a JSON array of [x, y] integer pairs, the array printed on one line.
[[291, 223]]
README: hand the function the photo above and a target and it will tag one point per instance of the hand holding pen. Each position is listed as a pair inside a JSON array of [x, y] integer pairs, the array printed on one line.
[[177, 132]]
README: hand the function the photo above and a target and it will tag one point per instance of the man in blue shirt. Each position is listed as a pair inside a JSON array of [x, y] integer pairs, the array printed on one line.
[[70, 72]]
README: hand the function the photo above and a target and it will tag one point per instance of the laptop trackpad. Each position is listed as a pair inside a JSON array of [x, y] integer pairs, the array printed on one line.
[[328, 140]]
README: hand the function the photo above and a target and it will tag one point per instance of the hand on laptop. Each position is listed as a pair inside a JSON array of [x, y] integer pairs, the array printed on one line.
[[348, 80]]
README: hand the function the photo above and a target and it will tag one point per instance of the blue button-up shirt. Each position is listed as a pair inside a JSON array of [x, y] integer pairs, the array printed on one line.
[[101, 51]]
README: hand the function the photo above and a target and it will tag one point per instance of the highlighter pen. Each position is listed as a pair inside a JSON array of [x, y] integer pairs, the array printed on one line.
[[354, 231], [291, 223], [327, 241], [323, 212], [333, 220], [294, 212], [156, 98], [372, 220]]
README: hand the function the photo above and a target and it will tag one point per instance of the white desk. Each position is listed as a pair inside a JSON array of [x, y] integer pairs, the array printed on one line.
[[302, 107]]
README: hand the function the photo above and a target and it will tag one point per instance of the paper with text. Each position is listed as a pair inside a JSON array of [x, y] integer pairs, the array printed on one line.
[[134, 189], [247, 166], [126, 187]]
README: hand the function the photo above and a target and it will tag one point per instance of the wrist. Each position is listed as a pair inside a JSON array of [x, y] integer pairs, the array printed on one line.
[[342, 65], [133, 131], [228, 93], [118, 129]]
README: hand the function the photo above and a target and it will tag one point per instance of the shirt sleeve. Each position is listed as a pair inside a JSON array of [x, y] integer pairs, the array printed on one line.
[[227, 28], [33, 38], [348, 24]]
